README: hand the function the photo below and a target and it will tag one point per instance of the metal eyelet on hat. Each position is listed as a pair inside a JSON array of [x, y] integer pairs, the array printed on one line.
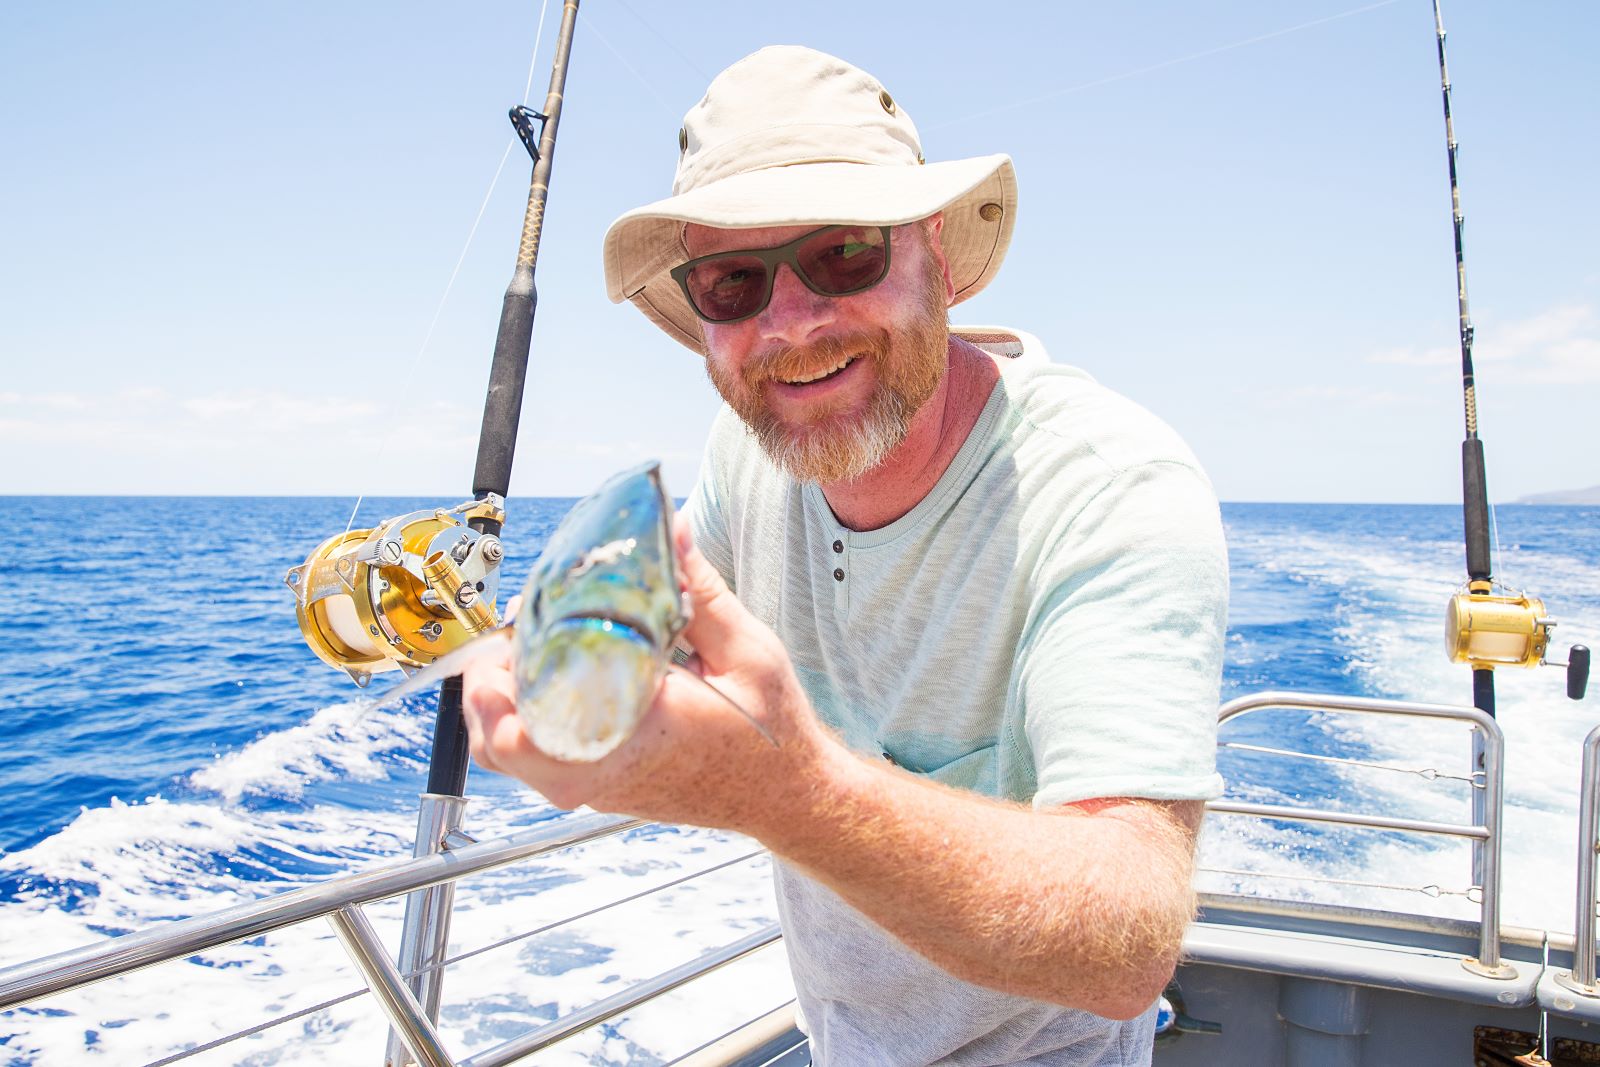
[[683, 139], [886, 100], [991, 212]]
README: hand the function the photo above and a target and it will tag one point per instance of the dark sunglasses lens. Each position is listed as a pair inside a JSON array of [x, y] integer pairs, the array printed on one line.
[[727, 288], [844, 259]]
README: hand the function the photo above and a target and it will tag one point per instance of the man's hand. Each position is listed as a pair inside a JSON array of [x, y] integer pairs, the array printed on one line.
[[693, 758]]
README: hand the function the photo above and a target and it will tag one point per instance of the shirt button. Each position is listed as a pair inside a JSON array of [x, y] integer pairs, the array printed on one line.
[[838, 546], [838, 574]]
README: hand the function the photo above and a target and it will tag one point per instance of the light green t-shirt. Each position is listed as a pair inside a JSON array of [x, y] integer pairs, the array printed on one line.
[[1045, 626]]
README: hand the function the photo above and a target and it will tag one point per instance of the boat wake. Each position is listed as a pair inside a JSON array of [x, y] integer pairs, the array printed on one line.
[[1378, 598]]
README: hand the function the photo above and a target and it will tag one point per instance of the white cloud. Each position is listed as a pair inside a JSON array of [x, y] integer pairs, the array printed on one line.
[[132, 438], [286, 412], [310, 440], [1417, 357], [210, 408], [1558, 346], [1324, 394], [244, 412]]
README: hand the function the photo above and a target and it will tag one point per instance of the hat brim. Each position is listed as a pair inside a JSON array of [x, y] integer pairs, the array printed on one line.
[[643, 246]]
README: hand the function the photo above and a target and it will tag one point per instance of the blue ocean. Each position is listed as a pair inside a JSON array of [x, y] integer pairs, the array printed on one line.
[[173, 747]]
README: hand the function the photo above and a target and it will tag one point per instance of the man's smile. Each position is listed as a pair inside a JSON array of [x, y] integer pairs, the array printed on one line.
[[817, 376]]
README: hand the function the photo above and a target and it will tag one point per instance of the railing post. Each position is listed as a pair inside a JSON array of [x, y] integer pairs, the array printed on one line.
[[1479, 797], [1488, 963], [1581, 979], [426, 931], [389, 986]]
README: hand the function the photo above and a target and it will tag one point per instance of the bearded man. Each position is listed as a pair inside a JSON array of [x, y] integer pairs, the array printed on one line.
[[977, 599]]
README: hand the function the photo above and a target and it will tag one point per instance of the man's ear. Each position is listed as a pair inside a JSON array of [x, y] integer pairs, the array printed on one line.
[[933, 226]]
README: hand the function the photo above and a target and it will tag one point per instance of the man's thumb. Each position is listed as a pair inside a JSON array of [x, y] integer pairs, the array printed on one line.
[[716, 614]]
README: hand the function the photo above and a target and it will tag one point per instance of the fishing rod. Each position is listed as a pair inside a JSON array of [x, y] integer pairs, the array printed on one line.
[[1483, 628], [411, 589], [408, 590]]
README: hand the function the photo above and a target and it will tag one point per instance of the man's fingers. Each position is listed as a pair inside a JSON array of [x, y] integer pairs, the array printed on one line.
[[487, 704], [716, 614], [497, 738]]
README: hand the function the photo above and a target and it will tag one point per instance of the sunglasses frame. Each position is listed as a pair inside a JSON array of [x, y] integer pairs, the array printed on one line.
[[771, 258]]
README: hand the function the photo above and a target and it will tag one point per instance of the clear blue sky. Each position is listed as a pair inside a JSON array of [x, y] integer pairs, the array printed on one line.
[[226, 229]]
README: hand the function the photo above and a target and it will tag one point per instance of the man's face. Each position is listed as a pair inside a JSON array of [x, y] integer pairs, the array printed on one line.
[[829, 384]]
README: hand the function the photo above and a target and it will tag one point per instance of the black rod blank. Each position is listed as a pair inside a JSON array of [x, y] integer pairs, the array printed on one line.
[[502, 408]]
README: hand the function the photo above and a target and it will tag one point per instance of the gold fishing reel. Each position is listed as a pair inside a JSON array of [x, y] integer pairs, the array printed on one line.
[[401, 594], [1509, 629], [1489, 631]]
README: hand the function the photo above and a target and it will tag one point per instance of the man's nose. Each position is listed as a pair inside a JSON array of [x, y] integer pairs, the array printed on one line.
[[795, 313]]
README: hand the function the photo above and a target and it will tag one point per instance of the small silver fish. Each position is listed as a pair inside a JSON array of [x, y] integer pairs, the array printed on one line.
[[599, 616], [595, 632]]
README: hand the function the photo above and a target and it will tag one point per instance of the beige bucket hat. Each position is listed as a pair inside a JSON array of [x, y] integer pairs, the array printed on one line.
[[790, 136]]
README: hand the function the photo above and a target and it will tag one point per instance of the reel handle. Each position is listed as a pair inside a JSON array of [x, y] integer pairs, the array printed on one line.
[[1577, 672]]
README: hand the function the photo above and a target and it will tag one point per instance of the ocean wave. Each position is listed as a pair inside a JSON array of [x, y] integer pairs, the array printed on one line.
[[343, 741]]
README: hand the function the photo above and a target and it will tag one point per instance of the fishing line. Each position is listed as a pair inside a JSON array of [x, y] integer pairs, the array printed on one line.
[[527, 90], [427, 337], [352, 520], [1499, 552], [665, 40], [538, 35], [1015, 105], [631, 69], [462, 258], [734, 704]]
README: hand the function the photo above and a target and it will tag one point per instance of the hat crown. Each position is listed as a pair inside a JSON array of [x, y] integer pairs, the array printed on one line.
[[787, 105]]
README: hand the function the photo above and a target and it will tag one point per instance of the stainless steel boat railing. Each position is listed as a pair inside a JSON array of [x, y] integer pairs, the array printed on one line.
[[1581, 979], [1485, 834], [340, 900]]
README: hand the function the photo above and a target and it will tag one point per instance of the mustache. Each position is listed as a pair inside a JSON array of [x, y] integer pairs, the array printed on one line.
[[793, 361]]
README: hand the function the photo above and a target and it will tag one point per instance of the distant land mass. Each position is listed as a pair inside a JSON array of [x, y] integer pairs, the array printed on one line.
[[1590, 495]]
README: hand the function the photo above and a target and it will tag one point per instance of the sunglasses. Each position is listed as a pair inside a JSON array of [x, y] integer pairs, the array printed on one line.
[[833, 261]]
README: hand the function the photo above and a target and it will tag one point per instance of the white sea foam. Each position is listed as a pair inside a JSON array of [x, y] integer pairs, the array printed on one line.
[[1388, 626], [143, 863], [342, 741]]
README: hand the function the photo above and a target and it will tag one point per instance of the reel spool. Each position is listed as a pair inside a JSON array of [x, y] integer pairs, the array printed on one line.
[[401, 594], [1487, 631]]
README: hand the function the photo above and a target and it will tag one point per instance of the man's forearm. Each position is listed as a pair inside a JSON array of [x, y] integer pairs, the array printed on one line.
[[1085, 909]]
